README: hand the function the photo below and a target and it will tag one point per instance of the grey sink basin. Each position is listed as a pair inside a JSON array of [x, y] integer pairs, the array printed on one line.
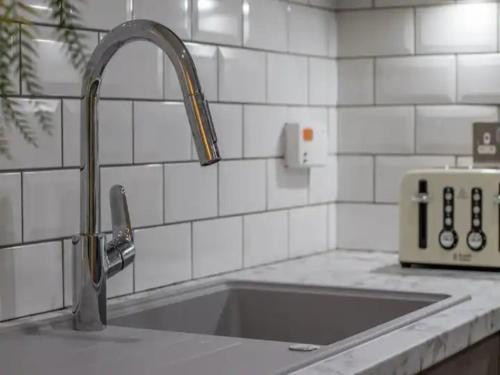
[[286, 313]]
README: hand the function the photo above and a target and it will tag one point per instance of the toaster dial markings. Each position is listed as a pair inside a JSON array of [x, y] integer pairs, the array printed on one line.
[[448, 237], [476, 239]]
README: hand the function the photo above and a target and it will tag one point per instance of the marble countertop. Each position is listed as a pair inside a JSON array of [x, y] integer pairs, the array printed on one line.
[[403, 351]]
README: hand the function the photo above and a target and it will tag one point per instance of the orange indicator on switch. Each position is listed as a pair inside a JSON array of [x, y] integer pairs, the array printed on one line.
[[307, 134]]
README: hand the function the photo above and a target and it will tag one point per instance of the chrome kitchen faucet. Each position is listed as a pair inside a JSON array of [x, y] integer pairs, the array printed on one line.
[[93, 259]]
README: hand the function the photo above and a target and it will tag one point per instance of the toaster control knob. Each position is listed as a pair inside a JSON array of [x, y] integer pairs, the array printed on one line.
[[476, 240], [448, 239]]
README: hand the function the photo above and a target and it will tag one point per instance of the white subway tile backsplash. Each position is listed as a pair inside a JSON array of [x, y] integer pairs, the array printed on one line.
[[175, 14], [120, 284], [308, 230], [391, 169], [356, 178], [332, 130], [205, 59], [98, 14], [135, 71], [323, 182], [376, 130], [323, 82], [263, 130], [379, 222], [265, 238], [242, 186], [308, 30], [242, 75], [376, 32], [286, 79], [308, 115], [115, 132], [398, 3], [448, 129], [457, 28], [161, 132], [415, 80], [285, 187], [356, 81], [328, 4], [56, 74], [332, 226], [217, 246], [51, 204], [265, 24], [30, 279], [24, 155], [144, 188], [479, 78], [218, 21], [10, 209], [163, 256], [353, 4], [190, 191], [228, 123]]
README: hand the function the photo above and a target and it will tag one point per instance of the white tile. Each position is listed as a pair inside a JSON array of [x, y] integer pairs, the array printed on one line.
[[25, 155], [120, 284], [15, 48], [332, 226], [190, 191], [376, 129], [308, 30], [323, 83], [287, 79], [51, 204], [39, 11], [144, 188], [10, 209], [218, 21], [457, 28], [135, 71], [308, 230], [56, 74], [265, 24], [353, 4], [332, 130], [217, 246], [227, 119], [263, 130], [479, 78], [332, 35], [388, 3], [367, 227], [448, 129], [30, 279], [376, 32], [265, 238], [285, 187], [356, 81], [465, 161], [161, 132], [391, 169], [163, 256], [416, 80], [323, 182], [175, 14], [205, 59], [308, 115], [115, 132], [242, 186], [242, 75], [355, 178], [98, 14]]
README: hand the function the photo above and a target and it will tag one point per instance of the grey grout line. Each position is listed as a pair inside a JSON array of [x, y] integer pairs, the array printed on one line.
[[192, 247]]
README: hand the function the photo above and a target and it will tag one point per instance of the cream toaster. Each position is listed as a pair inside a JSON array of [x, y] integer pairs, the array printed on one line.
[[450, 217]]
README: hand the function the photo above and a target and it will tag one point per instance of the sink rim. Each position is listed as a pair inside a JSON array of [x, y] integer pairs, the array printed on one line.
[[188, 292]]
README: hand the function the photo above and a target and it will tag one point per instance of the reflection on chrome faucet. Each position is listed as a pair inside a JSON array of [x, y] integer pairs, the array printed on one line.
[[94, 261]]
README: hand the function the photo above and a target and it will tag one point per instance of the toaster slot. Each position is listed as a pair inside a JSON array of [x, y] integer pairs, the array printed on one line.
[[448, 237], [422, 215]]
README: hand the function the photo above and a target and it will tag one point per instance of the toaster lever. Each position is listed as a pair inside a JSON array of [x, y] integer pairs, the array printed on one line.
[[423, 198]]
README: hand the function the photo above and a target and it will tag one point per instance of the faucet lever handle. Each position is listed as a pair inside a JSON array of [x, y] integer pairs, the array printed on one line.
[[120, 218]]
